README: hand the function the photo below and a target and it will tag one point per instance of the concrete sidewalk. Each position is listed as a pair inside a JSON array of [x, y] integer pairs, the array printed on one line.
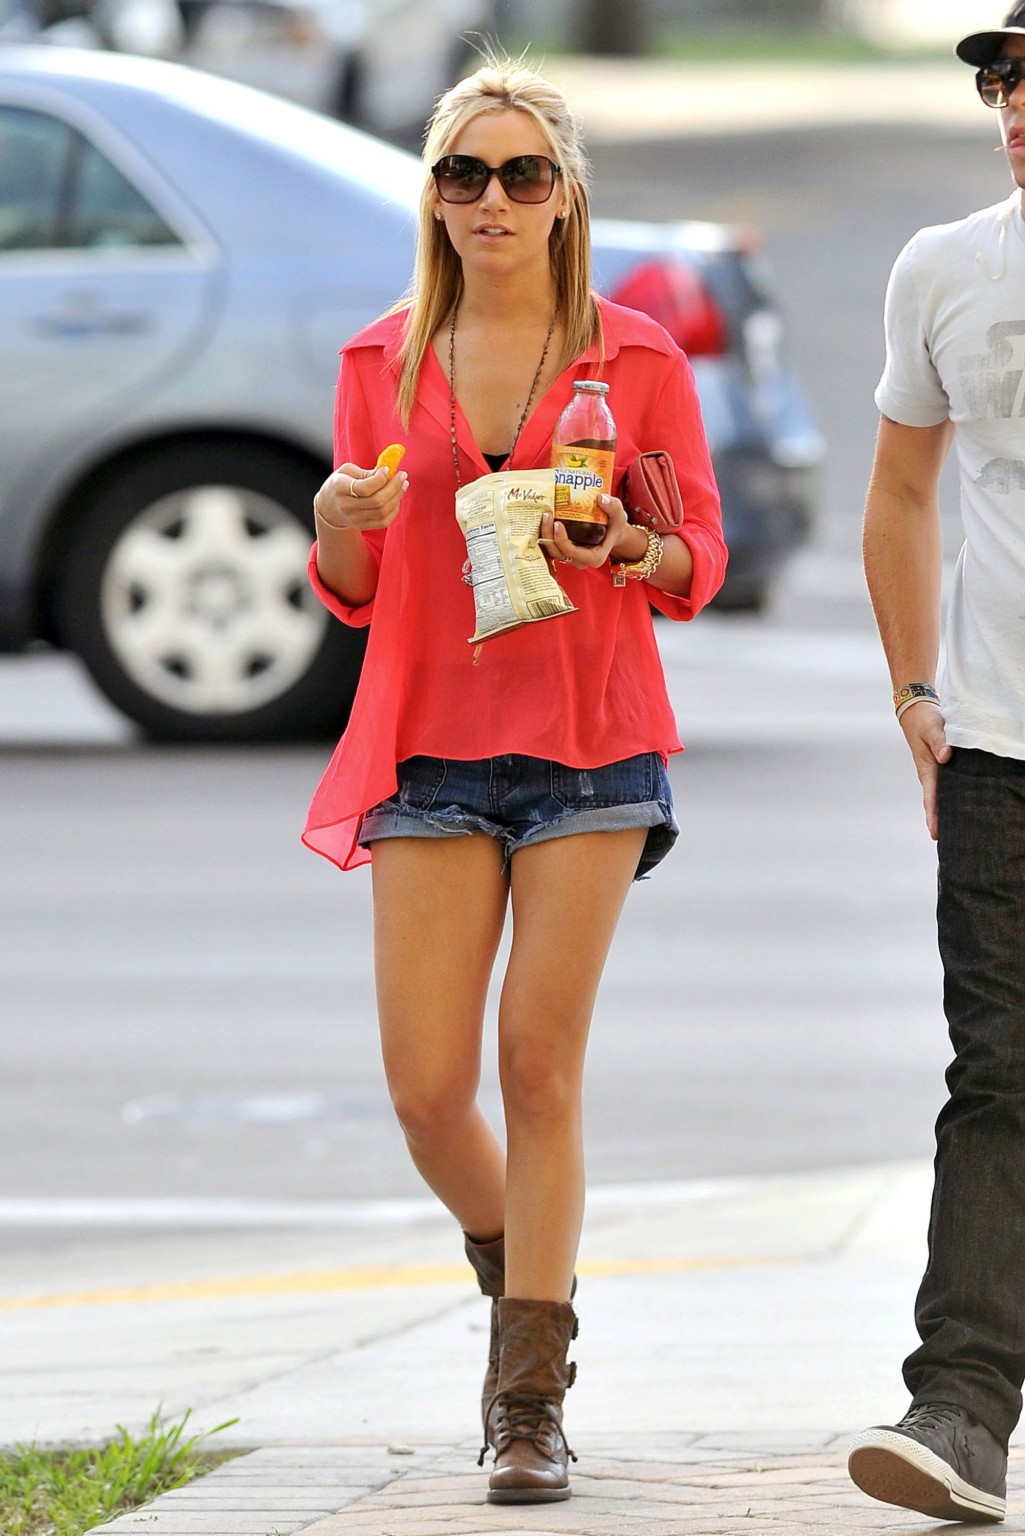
[[733, 1334]]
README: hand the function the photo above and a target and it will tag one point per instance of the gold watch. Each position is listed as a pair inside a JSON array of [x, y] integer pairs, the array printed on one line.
[[642, 569]]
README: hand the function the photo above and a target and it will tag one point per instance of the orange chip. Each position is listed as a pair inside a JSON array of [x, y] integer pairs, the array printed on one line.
[[391, 457]]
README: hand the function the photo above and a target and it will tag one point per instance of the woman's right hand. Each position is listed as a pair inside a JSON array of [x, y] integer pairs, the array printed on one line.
[[360, 498]]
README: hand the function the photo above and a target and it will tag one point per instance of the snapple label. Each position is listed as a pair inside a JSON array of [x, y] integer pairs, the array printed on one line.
[[584, 460]]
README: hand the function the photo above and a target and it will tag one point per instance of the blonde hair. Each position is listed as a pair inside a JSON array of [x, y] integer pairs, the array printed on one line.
[[500, 85]]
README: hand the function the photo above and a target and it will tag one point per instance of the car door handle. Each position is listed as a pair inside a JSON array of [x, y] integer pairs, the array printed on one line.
[[84, 315]]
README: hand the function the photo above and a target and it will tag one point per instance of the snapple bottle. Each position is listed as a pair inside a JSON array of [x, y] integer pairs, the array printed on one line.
[[584, 460]]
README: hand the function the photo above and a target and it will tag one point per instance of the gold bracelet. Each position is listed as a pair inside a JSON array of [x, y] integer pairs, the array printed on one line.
[[320, 521], [641, 570]]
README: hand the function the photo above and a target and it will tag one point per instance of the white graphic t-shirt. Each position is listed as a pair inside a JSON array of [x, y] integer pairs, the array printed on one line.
[[955, 346]]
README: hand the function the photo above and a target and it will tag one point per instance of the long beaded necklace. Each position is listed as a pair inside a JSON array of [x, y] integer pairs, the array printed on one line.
[[452, 389]]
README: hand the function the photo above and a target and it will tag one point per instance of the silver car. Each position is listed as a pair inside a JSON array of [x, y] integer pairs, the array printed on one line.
[[180, 258]]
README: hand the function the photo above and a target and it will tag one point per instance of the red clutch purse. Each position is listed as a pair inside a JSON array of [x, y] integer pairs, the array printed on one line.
[[651, 493]]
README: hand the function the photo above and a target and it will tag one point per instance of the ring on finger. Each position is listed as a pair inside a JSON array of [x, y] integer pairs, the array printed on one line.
[[352, 490]]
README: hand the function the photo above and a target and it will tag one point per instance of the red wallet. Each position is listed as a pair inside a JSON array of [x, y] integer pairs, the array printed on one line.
[[651, 493]]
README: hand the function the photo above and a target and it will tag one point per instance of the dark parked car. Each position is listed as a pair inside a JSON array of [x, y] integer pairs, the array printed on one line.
[[180, 258]]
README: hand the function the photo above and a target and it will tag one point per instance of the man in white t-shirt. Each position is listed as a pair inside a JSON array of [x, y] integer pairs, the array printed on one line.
[[955, 372]]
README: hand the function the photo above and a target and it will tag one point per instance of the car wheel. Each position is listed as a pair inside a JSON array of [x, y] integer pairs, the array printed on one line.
[[741, 599], [184, 591]]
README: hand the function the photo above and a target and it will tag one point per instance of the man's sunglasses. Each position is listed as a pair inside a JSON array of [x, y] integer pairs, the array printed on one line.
[[526, 178], [997, 82]]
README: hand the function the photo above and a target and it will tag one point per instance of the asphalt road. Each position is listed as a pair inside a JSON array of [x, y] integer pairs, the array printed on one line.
[[189, 996], [188, 1003]]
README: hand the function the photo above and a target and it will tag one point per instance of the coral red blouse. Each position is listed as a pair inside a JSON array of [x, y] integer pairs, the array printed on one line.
[[584, 689]]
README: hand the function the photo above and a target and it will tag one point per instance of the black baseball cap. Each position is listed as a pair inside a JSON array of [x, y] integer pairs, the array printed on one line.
[[981, 48]]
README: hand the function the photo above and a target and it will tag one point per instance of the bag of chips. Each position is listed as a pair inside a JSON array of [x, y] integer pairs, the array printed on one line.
[[500, 516]]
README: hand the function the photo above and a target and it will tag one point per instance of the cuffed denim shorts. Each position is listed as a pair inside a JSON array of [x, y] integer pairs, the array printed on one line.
[[525, 800]]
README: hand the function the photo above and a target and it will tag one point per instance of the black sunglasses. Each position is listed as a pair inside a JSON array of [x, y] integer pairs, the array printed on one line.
[[526, 178], [996, 83]]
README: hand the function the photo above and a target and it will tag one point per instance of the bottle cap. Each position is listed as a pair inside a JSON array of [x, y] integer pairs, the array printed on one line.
[[592, 386]]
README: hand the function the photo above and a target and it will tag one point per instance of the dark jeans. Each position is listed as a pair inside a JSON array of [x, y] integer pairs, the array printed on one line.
[[971, 1306]]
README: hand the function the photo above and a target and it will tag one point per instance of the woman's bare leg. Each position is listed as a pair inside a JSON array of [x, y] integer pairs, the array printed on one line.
[[439, 908], [567, 895]]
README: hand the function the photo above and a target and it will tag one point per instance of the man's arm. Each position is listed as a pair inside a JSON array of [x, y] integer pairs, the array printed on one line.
[[903, 563]]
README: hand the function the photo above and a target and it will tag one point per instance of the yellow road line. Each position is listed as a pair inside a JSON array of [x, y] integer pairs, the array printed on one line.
[[362, 1278]]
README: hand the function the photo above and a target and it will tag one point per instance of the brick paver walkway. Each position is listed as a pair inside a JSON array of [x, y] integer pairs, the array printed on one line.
[[699, 1485]]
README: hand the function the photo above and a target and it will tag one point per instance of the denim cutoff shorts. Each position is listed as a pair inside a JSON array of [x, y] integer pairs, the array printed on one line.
[[525, 800]]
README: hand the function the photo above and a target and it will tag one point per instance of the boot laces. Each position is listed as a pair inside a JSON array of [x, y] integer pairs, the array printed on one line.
[[523, 1416]]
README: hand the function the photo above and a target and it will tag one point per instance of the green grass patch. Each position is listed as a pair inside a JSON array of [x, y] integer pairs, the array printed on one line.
[[813, 45], [67, 1492]]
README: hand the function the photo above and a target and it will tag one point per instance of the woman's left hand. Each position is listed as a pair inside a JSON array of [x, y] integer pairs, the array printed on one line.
[[558, 546]]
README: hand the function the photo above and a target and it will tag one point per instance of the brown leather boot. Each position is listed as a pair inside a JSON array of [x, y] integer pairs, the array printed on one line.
[[524, 1421], [488, 1259]]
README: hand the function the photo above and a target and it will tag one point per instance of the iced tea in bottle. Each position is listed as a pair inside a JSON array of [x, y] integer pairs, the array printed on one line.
[[584, 460]]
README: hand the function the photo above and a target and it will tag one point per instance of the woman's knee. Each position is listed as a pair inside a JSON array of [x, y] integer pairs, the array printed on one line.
[[430, 1112], [538, 1082]]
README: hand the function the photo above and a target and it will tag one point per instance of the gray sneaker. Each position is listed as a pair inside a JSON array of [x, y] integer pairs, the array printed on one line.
[[939, 1460]]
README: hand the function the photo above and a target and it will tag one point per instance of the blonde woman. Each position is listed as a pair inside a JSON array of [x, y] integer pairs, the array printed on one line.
[[532, 778]]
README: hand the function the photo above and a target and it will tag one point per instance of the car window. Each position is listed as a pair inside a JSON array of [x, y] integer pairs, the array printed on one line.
[[107, 209], [57, 191], [34, 157]]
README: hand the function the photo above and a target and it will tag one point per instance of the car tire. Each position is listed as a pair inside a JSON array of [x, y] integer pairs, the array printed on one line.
[[753, 599], [183, 589]]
